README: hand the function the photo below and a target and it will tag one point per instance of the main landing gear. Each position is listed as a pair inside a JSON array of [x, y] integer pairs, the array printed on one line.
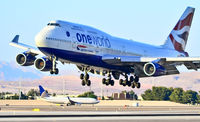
[[85, 79], [108, 81], [54, 70], [131, 82]]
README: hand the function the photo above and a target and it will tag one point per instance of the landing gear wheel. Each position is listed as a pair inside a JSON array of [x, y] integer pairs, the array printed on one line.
[[128, 83], [124, 83], [112, 83], [56, 71], [68, 104], [103, 81], [88, 83], [138, 85], [83, 83], [107, 83], [136, 79], [87, 76], [82, 76], [131, 79], [133, 85], [121, 81], [51, 72]]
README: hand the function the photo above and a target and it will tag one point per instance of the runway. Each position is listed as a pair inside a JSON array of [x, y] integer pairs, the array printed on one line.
[[139, 116], [98, 108], [51, 113]]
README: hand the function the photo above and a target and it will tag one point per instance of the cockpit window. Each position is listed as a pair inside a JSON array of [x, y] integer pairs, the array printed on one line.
[[53, 24]]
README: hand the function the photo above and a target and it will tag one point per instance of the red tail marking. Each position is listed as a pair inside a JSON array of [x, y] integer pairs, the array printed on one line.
[[176, 44], [185, 22]]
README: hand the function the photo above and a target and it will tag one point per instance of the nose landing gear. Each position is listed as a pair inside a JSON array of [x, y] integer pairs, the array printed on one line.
[[54, 70]]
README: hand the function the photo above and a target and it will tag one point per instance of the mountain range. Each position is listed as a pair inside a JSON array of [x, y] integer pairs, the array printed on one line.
[[14, 77]]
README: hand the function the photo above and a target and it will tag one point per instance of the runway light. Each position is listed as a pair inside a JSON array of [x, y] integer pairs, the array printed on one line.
[[36, 109]]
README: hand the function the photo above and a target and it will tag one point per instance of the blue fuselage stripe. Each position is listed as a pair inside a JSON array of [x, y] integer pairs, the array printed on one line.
[[82, 58]]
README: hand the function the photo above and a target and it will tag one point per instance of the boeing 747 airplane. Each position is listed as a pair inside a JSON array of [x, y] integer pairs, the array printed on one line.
[[94, 51]]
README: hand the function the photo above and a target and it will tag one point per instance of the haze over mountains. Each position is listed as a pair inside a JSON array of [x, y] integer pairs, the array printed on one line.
[[10, 71], [69, 82]]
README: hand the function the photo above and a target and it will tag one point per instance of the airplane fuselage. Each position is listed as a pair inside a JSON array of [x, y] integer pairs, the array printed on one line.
[[65, 100], [82, 44]]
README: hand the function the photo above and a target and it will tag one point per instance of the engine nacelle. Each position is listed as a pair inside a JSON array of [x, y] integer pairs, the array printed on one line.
[[43, 64], [25, 59], [154, 69]]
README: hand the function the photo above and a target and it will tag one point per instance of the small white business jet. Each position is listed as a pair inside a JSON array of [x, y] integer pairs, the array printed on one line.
[[66, 100], [94, 51]]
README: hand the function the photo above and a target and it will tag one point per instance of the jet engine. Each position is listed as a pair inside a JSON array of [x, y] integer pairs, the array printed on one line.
[[154, 69], [25, 59], [43, 64]]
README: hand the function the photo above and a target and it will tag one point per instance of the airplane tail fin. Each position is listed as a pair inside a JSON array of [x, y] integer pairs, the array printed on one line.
[[43, 93], [177, 39]]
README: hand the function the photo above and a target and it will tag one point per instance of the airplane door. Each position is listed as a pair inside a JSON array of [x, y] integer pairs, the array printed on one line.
[[74, 43], [97, 49]]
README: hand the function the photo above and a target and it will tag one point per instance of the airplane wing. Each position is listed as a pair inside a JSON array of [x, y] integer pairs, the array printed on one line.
[[28, 48], [169, 63]]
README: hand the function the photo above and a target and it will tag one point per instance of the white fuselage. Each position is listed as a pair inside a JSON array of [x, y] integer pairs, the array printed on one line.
[[82, 44], [65, 100]]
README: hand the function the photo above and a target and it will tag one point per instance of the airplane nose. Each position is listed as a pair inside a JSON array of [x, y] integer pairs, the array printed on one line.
[[40, 38], [40, 41]]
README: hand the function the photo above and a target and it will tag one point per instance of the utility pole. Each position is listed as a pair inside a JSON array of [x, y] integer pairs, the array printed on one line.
[[20, 89], [63, 85], [101, 90], [90, 88]]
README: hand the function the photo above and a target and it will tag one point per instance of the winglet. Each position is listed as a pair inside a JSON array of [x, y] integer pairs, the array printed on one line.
[[15, 39]]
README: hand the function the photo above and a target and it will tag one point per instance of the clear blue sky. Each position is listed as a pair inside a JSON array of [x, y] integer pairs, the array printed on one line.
[[148, 21]]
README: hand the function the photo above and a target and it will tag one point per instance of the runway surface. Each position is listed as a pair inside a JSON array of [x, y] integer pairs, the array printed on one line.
[[139, 116], [97, 108], [98, 114]]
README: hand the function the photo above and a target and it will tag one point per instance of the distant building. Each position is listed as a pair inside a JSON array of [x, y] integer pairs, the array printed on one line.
[[124, 96], [115, 96]]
